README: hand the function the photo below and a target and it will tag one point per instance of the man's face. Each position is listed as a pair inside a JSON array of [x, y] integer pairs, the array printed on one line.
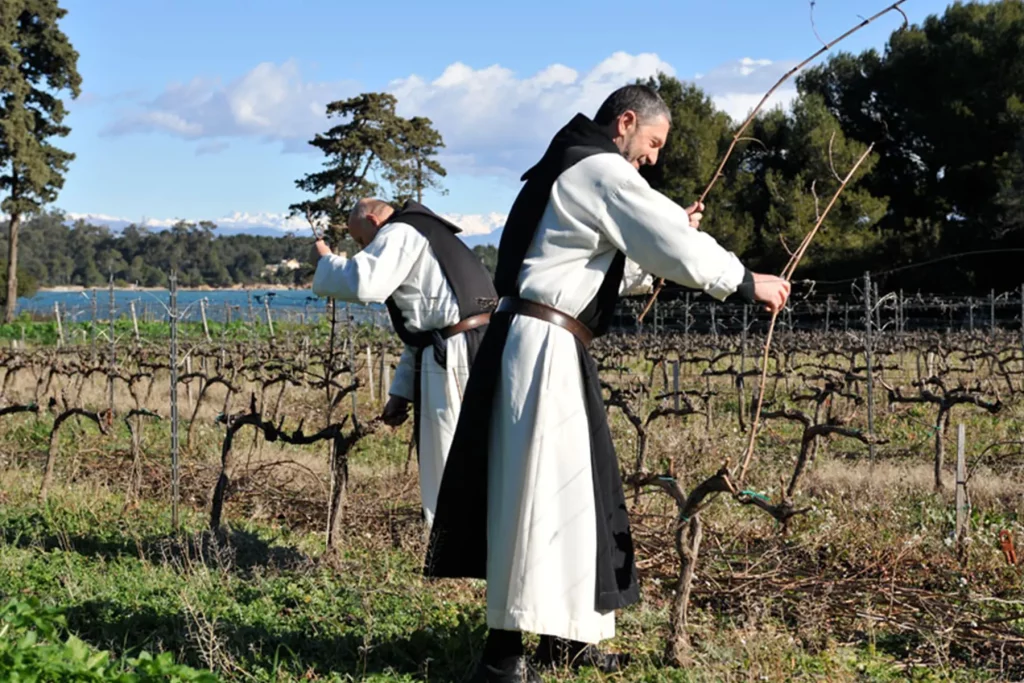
[[640, 142]]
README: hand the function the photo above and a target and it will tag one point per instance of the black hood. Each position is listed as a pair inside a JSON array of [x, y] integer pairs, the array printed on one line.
[[576, 140], [581, 131], [411, 207]]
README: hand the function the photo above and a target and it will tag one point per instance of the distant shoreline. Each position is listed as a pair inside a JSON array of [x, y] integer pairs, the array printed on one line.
[[65, 289]]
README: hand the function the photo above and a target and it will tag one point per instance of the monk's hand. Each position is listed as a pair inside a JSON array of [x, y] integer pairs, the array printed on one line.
[[315, 253], [772, 291], [695, 212], [396, 411], [322, 249]]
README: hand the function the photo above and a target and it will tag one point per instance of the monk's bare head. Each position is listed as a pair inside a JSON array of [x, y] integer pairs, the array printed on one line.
[[366, 218], [638, 121]]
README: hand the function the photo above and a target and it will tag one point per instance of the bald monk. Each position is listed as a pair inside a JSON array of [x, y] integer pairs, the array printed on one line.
[[438, 294]]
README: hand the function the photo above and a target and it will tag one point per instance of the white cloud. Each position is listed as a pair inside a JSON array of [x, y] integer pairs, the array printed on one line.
[[748, 66], [270, 102], [738, 105], [493, 120], [473, 224], [736, 87]]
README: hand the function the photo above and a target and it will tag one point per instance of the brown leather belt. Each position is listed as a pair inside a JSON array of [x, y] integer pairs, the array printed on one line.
[[465, 325], [547, 314]]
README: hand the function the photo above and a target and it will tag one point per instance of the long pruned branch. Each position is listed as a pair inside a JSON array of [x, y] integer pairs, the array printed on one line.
[[786, 275], [753, 114]]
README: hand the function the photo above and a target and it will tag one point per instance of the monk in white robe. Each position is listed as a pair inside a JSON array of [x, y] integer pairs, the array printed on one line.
[[531, 498], [438, 294]]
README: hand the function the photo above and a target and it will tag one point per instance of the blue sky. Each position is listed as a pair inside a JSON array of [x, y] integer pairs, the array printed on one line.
[[202, 109]]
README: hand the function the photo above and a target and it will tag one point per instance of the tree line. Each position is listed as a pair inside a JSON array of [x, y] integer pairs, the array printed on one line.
[[942, 103], [56, 252]]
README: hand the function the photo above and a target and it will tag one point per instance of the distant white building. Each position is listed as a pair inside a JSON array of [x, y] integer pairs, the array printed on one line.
[[286, 265]]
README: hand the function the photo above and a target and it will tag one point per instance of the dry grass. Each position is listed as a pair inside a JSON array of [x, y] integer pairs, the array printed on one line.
[[865, 586]]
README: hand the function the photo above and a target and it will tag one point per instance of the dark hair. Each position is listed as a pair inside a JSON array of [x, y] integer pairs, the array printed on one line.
[[642, 99]]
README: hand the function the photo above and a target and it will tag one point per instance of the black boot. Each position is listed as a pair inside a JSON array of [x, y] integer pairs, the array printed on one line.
[[504, 661], [556, 653], [515, 669]]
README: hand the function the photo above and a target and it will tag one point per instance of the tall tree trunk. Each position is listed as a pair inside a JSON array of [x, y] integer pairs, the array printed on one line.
[[419, 181], [12, 267]]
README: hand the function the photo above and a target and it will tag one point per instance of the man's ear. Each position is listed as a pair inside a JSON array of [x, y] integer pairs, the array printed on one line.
[[626, 122]]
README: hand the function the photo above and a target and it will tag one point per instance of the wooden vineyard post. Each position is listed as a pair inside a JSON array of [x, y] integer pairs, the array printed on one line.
[[867, 357], [113, 346], [188, 385], [331, 344], [349, 351], [206, 324], [992, 312], [92, 327], [270, 322], [174, 400], [878, 309], [740, 379], [369, 373], [382, 377], [675, 382], [60, 324], [135, 321], [901, 326], [686, 317], [962, 505]]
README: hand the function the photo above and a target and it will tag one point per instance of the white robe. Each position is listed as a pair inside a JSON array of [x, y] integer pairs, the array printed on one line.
[[541, 542], [400, 263]]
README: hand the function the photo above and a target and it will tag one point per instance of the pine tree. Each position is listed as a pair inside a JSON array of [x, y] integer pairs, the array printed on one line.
[[37, 62], [373, 142], [416, 169]]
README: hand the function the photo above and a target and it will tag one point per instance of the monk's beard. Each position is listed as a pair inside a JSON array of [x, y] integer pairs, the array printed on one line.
[[627, 150]]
